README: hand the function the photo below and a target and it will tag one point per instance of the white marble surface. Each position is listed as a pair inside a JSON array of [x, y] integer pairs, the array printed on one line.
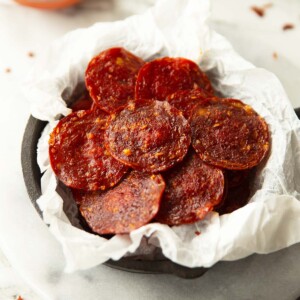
[[33, 262]]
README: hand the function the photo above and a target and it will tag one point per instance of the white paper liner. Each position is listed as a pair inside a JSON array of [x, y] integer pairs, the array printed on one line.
[[270, 221]]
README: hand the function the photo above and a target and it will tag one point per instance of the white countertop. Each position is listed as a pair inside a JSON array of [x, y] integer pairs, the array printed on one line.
[[24, 30]]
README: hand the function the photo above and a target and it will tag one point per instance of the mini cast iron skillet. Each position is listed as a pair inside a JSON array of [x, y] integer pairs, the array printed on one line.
[[32, 178]]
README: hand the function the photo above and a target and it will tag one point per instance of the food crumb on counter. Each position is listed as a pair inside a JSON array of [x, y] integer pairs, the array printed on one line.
[[19, 298], [258, 10], [275, 55], [197, 232], [288, 26], [261, 10], [31, 54], [7, 70]]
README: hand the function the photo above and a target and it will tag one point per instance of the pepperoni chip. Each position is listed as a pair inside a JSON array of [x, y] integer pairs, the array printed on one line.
[[185, 100], [110, 78], [77, 153], [131, 204], [85, 102], [149, 136], [236, 198], [193, 188], [229, 134], [161, 77]]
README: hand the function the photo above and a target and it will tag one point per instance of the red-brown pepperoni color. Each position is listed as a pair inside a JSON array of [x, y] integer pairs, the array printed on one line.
[[185, 100], [229, 134], [193, 188], [161, 77], [131, 204], [110, 78], [149, 136], [84, 102], [77, 153]]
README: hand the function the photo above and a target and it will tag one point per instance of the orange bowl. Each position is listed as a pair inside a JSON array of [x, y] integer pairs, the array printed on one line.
[[48, 4]]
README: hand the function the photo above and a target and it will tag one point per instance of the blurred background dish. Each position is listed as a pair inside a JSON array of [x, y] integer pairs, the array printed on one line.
[[48, 4]]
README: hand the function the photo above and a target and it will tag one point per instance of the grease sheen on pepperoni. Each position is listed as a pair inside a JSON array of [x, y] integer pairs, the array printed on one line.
[[185, 100], [229, 134], [129, 205], [77, 153], [193, 188], [149, 136], [110, 78], [161, 77]]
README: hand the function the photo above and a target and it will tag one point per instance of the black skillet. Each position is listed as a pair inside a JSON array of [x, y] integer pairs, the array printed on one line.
[[32, 178]]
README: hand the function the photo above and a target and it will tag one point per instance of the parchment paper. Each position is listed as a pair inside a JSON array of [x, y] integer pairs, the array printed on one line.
[[270, 221]]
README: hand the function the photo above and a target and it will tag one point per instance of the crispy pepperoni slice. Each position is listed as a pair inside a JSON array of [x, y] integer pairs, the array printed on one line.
[[185, 100], [236, 198], [110, 78], [193, 188], [161, 77], [129, 205], [229, 134], [84, 102], [77, 153], [149, 136]]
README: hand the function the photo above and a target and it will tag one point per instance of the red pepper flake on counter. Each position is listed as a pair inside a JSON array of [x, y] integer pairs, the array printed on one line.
[[288, 26], [19, 298], [31, 54], [197, 232], [261, 10]]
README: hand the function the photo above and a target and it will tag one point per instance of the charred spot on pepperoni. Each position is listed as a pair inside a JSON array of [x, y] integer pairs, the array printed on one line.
[[149, 136], [110, 78], [185, 100], [229, 134], [77, 153], [129, 205], [193, 188], [161, 77]]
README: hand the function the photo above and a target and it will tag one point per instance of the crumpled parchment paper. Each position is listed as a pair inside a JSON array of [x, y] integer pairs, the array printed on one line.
[[270, 221]]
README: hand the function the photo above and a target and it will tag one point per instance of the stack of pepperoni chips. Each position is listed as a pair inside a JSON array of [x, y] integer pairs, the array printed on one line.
[[151, 142]]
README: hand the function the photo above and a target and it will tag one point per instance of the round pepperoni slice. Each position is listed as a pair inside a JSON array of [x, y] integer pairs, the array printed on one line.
[[110, 78], [185, 100], [161, 77], [229, 134], [77, 153], [193, 188], [149, 136], [131, 204]]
